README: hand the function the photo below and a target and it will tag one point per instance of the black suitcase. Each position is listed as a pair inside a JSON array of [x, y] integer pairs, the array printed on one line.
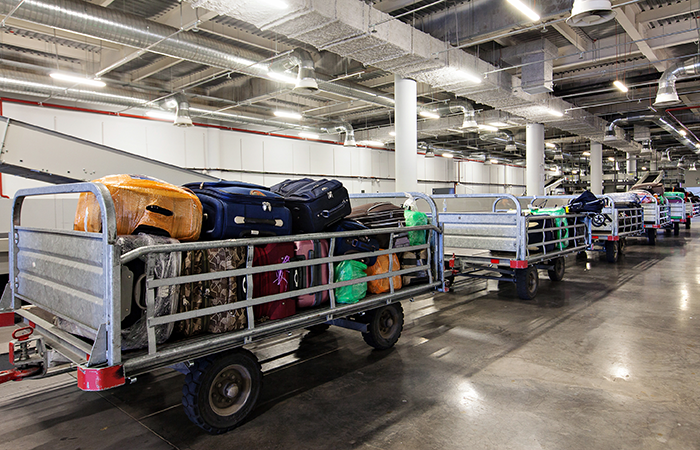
[[314, 204], [234, 210], [540, 230], [382, 215]]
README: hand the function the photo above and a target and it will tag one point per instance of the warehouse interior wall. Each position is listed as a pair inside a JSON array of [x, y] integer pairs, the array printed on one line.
[[260, 158]]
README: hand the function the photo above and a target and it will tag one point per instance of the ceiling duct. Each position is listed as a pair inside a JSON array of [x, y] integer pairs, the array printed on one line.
[[460, 106], [345, 127], [182, 111], [306, 74], [612, 133], [537, 60], [667, 94], [586, 13], [133, 31]]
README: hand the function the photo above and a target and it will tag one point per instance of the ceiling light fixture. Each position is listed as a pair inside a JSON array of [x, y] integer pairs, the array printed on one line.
[[697, 146], [586, 153], [555, 113], [683, 132], [494, 161], [288, 114], [620, 85], [77, 79], [520, 6], [499, 124], [372, 143], [448, 155], [487, 128], [549, 145], [610, 158], [469, 76], [308, 135], [161, 115], [644, 168], [429, 114]]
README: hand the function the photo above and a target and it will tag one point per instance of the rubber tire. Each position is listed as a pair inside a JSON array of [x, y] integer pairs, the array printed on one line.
[[651, 235], [687, 224], [196, 392], [318, 329], [676, 228], [526, 282], [557, 274], [612, 251], [384, 326]]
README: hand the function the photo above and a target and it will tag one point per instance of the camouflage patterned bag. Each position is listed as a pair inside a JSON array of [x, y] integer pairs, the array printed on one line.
[[203, 294]]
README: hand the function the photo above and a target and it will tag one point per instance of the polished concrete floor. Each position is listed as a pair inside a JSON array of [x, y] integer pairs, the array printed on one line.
[[607, 359]]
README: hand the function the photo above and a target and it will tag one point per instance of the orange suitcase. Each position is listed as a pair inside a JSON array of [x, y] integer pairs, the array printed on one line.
[[144, 204]]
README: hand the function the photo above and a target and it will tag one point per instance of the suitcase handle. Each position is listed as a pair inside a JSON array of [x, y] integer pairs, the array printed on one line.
[[326, 213], [159, 210]]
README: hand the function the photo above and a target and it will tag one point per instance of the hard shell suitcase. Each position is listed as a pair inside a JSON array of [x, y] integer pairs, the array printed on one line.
[[382, 215], [314, 204], [146, 205], [312, 276], [203, 294], [355, 244], [235, 210], [269, 283], [380, 267]]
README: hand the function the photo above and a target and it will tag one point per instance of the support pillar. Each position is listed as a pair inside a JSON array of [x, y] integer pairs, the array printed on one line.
[[405, 156], [534, 155], [631, 164], [596, 168]]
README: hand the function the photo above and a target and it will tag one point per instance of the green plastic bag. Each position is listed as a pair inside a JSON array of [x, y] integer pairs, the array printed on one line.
[[350, 270], [414, 219], [561, 233]]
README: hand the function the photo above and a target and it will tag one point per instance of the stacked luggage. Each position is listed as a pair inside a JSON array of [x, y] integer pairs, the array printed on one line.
[[151, 211]]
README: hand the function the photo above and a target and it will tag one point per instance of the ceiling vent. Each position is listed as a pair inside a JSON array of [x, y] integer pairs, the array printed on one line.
[[586, 13]]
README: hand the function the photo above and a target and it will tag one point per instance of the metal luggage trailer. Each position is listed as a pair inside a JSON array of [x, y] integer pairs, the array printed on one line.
[[625, 221], [478, 242], [677, 212], [691, 210], [656, 216], [77, 276]]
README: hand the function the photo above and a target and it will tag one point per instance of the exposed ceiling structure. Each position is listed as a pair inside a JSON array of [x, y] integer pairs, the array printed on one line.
[[484, 69]]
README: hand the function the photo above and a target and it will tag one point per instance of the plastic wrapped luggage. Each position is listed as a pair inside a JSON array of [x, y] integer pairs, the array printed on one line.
[[235, 210], [203, 294], [382, 215], [312, 276], [623, 199], [410, 260], [167, 265], [146, 205], [314, 204], [355, 244], [654, 188], [269, 283], [382, 266], [346, 271]]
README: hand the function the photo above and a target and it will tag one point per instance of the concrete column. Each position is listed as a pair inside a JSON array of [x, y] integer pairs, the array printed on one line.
[[631, 164], [534, 155], [405, 156], [596, 168]]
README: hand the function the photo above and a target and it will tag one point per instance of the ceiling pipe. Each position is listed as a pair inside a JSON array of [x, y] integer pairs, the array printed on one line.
[[114, 26], [182, 111], [459, 106], [667, 94], [345, 127], [660, 121], [306, 73]]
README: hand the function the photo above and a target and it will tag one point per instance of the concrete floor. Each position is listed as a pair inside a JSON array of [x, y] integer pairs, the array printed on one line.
[[607, 359]]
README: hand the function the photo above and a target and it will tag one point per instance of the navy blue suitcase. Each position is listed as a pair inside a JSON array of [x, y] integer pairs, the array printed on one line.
[[314, 204], [234, 210], [355, 244]]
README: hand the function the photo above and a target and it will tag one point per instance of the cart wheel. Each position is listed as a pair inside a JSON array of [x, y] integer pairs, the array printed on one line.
[[318, 329], [384, 326], [221, 390], [612, 251], [623, 244], [676, 228], [651, 235], [526, 282], [687, 224], [557, 274]]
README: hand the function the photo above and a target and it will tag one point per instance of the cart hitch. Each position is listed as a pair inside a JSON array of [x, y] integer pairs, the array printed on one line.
[[27, 354]]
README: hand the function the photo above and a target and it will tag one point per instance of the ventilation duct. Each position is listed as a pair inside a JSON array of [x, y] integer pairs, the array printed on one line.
[[345, 127], [667, 95], [537, 60], [463, 106], [182, 111], [613, 133], [586, 13], [306, 74]]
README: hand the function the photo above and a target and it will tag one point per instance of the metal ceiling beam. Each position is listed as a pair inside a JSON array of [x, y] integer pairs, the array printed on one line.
[[668, 11], [582, 43], [50, 31], [152, 69], [189, 80], [42, 46], [626, 18]]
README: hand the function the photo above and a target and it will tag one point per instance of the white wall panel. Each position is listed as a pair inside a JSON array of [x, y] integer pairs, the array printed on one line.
[[321, 159], [128, 136], [277, 153], [195, 147], [230, 151], [252, 152], [301, 157], [166, 144], [342, 161], [88, 127]]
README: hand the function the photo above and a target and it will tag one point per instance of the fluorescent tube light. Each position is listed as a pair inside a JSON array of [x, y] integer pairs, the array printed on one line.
[[586, 153], [555, 113], [498, 124], [494, 161], [610, 158], [392, 133], [683, 132], [549, 145], [697, 146], [644, 168], [372, 143], [162, 115], [487, 128], [447, 155], [308, 135], [288, 114], [76, 79], [520, 6], [429, 114], [620, 85], [469, 76]]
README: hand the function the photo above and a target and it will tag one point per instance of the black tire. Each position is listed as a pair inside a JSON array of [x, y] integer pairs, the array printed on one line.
[[384, 326], [526, 282], [651, 235], [687, 223], [318, 329], [211, 401], [676, 228], [557, 274], [612, 251]]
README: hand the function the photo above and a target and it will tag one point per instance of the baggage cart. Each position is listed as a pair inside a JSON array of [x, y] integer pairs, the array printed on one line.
[[656, 216], [77, 276], [691, 210], [677, 213], [491, 236], [619, 221]]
